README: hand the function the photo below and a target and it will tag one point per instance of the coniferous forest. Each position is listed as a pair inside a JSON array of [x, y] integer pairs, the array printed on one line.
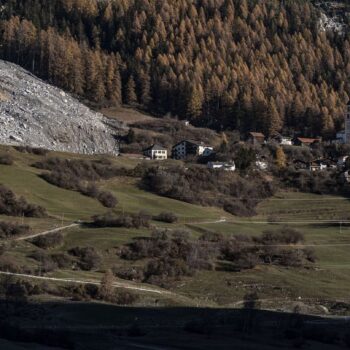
[[227, 64]]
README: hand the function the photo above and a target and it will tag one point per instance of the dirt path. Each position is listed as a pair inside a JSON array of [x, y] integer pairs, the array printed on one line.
[[123, 285], [58, 229]]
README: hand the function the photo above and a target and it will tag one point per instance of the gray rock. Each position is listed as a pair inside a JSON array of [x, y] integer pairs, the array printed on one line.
[[35, 113]]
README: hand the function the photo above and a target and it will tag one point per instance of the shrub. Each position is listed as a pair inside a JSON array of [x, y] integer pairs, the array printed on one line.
[[8, 230], [32, 150], [47, 264], [89, 258], [201, 186], [287, 235], [81, 169], [48, 241], [62, 260], [126, 220], [6, 159], [167, 217], [107, 199], [71, 181], [12, 206]]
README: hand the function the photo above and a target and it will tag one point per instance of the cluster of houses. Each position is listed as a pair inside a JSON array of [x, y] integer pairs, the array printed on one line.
[[181, 150], [187, 148]]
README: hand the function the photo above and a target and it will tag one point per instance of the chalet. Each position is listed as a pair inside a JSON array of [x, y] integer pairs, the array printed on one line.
[[187, 148], [156, 152], [305, 141], [229, 166], [256, 138]]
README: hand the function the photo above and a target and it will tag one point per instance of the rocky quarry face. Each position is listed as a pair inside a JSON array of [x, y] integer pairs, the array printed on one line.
[[36, 114]]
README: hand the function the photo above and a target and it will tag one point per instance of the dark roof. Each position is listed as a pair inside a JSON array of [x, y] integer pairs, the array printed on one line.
[[196, 143], [155, 147]]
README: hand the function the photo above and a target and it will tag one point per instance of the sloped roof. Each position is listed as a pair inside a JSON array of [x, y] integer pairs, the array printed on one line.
[[155, 147], [257, 134], [307, 140]]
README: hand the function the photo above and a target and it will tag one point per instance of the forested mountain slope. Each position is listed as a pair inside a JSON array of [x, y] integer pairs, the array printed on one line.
[[237, 64]]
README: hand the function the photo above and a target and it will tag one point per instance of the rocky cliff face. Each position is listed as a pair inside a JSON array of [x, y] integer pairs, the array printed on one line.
[[37, 114]]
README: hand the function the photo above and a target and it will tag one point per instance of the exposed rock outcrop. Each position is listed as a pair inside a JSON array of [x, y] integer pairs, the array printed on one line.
[[37, 114]]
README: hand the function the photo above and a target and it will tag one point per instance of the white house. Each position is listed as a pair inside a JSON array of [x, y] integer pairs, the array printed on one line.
[[229, 166], [156, 152], [187, 148]]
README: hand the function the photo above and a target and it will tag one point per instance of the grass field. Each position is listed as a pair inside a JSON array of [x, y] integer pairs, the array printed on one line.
[[322, 219]]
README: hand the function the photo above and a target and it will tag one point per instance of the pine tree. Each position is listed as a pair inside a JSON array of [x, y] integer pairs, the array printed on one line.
[[281, 159], [131, 97], [195, 104]]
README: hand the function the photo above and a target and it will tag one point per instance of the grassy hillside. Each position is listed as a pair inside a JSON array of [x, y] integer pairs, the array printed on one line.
[[327, 281]]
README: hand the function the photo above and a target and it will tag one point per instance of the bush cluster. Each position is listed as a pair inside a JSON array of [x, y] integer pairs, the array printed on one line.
[[6, 159], [173, 254], [199, 185], [70, 181], [48, 241], [167, 217], [12, 206], [81, 169], [89, 257], [32, 150], [125, 220], [8, 230]]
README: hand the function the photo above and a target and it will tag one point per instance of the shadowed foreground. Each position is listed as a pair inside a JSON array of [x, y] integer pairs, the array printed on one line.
[[96, 326]]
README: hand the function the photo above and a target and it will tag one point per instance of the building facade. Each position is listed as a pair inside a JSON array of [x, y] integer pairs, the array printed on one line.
[[191, 148], [156, 152]]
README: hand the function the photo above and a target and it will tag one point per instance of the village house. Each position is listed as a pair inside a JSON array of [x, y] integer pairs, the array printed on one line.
[[256, 138], [305, 141], [187, 148], [156, 152], [228, 166]]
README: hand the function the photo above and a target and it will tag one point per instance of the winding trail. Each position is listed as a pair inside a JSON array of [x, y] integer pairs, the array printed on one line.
[[44, 233], [123, 285]]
